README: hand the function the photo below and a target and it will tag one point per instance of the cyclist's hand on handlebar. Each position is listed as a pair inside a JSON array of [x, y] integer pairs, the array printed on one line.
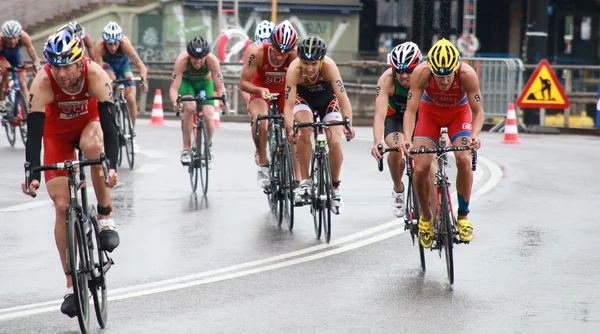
[[375, 151], [349, 134], [475, 142], [113, 178], [265, 93], [144, 86], [224, 107], [33, 187], [407, 147]]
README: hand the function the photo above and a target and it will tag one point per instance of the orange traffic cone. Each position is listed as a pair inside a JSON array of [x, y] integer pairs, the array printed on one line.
[[157, 117], [217, 117], [511, 133]]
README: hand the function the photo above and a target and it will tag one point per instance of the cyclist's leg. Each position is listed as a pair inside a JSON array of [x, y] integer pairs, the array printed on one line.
[[258, 106], [302, 114], [332, 113], [459, 131], [17, 60], [209, 107], [393, 135], [294, 151], [189, 108], [3, 63], [130, 92]]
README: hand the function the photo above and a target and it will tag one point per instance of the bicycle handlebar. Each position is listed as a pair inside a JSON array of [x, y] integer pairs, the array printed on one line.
[[314, 125], [68, 165], [201, 99], [435, 150], [14, 69], [118, 81], [259, 117]]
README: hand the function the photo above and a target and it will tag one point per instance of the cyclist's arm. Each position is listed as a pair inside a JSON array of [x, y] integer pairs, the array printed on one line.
[[215, 69], [381, 104], [129, 50], [470, 83], [418, 82], [89, 45], [253, 56], [292, 78], [30, 49], [99, 51], [332, 72], [178, 69], [40, 94], [100, 87]]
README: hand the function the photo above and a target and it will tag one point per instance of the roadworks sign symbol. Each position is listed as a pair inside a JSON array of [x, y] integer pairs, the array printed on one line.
[[543, 90]]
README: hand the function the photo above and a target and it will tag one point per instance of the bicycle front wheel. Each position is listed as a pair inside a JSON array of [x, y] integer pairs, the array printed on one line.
[[77, 267], [411, 217], [100, 265], [288, 184], [314, 192], [127, 128], [22, 111], [193, 171], [275, 173], [203, 151], [325, 191], [122, 142], [447, 233]]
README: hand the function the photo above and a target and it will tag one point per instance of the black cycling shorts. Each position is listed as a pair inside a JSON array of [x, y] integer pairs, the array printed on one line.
[[393, 124]]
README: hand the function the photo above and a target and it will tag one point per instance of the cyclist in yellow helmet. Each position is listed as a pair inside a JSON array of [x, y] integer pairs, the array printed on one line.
[[447, 94]]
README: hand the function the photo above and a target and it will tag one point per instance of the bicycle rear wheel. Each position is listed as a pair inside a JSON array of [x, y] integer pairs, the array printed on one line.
[[203, 152], [447, 233], [99, 262], [127, 127], [192, 170], [119, 120], [11, 134], [77, 264], [288, 184], [22, 111], [326, 192]]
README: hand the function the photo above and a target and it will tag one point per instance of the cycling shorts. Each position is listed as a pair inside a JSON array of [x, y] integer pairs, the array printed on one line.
[[61, 147], [433, 118], [280, 101], [193, 88], [12, 55], [327, 108], [121, 69], [393, 124]]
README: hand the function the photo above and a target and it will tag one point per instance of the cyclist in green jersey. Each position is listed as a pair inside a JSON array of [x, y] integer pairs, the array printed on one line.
[[390, 103], [193, 73]]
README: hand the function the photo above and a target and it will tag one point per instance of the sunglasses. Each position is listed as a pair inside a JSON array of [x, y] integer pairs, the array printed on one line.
[[407, 71]]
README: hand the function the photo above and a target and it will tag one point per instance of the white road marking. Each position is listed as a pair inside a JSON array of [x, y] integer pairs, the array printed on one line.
[[26, 206], [297, 257], [148, 168]]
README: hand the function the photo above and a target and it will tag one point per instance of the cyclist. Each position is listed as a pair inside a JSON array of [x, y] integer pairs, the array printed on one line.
[[193, 73], [12, 37], [113, 52], [314, 85], [446, 92], [264, 73], [70, 102], [390, 103]]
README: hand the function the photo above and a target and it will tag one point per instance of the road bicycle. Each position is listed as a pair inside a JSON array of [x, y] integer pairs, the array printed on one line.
[[15, 111], [279, 191], [123, 117], [199, 145], [320, 174], [87, 262]]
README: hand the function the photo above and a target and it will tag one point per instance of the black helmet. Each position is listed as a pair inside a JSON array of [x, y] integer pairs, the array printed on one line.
[[312, 48], [198, 47]]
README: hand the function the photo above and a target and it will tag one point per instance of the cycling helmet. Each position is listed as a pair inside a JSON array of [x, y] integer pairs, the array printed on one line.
[[284, 37], [77, 28], [112, 33], [11, 29], [63, 48], [198, 47], [263, 31], [405, 56], [443, 58], [312, 48]]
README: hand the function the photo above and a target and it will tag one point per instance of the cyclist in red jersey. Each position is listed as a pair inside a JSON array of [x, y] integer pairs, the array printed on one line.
[[70, 101], [264, 73], [447, 94]]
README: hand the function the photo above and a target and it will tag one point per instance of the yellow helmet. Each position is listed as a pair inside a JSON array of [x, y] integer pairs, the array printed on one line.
[[443, 58]]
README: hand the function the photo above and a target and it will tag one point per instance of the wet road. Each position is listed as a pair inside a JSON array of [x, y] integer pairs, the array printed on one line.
[[220, 264]]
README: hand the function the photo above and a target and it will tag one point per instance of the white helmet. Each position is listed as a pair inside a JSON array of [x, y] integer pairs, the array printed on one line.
[[112, 33], [263, 31], [11, 29], [405, 56], [77, 28]]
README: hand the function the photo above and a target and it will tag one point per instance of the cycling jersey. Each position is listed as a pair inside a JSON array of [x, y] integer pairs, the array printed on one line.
[[318, 98], [66, 117], [12, 55], [118, 63], [439, 109], [195, 81], [394, 120], [271, 77]]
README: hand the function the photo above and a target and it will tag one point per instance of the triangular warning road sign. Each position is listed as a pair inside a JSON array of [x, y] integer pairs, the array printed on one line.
[[543, 90]]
